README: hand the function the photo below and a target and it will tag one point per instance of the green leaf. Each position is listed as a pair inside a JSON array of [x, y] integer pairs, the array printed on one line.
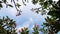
[[37, 12], [0, 5], [46, 20], [41, 0], [41, 3], [10, 5], [4, 1], [46, 24], [50, 1], [34, 1], [18, 5], [45, 4]]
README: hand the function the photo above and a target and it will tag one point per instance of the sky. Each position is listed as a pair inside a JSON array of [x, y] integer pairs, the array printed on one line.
[[27, 18]]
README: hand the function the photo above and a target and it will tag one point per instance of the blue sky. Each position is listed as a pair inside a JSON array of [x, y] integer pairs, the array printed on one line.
[[27, 18]]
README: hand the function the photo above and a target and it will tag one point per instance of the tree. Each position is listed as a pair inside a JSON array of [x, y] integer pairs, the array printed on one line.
[[7, 26], [36, 29], [16, 5], [24, 31], [53, 7]]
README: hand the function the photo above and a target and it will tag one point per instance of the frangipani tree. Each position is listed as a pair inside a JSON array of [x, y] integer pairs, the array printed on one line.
[[7, 26], [24, 31], [53, 7]]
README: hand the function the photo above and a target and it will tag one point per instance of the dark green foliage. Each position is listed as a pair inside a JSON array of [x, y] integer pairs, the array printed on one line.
[[18, 5], [50, 1], [24, 31], [9, 5], [4, 1], [0, 5], [52, 23], [36, 29], [55, 13], [7, 26], [34, 1], [41, 0], [45, 4]]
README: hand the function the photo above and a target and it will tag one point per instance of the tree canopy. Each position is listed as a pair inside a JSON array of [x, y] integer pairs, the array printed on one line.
[[52, 23], [53, 7], [7, 26]]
